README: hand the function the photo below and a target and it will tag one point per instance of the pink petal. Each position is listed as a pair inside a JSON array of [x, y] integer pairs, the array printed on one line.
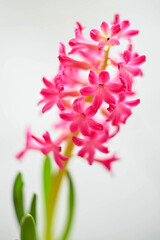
[[96, 35], [133, 103], [90, 111], [91, 153], [102, 44], [127, 56], [124, 24], [20, 154], [130, 33], [60, 104], [102, 148], [38, 140], [116, 19], [103, 77], [114, 30], [75, 125], [115, 87], [77, 105], [88, 90], [78, 141], [94, 125], [68, 116], [122, 97], [63, 158], [135, 71], [108, 97], [47, 106], [93, 78], [126, 78], [47, 83], [113, 41], [82, 152], [97, 101], [84, 128], [105, 28], [46, 137], [57, 159], [138, 60], [108, 161]]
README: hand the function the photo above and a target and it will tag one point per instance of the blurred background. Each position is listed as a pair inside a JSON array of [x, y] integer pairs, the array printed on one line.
[[121, 206]]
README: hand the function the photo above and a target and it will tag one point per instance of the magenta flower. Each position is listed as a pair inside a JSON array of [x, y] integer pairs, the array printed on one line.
[[80, 42], [124, 32], [81, 118], [45, 145], [54, 94], [120, 111], [89, 101], [129, 67], [101, 88], [69, 62], [107, 162], [89, 145], [106, 36]]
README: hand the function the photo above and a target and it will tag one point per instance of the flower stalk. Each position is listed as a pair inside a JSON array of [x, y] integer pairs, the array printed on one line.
[[92, 104]]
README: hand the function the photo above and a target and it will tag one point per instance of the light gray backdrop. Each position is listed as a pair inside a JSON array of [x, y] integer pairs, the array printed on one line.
[[119, 207]]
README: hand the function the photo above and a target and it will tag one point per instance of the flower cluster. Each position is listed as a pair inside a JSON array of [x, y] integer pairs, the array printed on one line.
[[92, 104]]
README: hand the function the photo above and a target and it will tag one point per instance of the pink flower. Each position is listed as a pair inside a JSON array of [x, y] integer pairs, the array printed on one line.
[[124, 31], [120, 111], [80, 42], [89, 144], [69, 62], [106, 36], [91, 103], [101, 88], [54, 94], [45, 145], [107, 162], [81, 118], [129, 67]]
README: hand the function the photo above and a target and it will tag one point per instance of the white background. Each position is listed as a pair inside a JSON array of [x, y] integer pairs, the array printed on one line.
[[119, 207]]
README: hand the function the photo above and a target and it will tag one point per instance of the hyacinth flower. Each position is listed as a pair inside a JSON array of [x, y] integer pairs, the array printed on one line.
[[45, 145], [107, 36], [91, 104], [89, 144], [120, 111], [55, 94], [129, 67], [124, 32], [101, 88], [81, 118]]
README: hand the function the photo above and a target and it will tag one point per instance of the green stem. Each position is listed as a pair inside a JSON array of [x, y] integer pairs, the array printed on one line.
[[55, 187]]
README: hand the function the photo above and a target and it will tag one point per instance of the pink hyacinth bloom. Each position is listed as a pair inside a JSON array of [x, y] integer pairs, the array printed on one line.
[[45, 145], [89, 145], [80, 42], [107, 162], [81, 118], [120, 111], [129, 67], [54, 94], [101, 88], [124, 31], [106, 36], [69, 62]]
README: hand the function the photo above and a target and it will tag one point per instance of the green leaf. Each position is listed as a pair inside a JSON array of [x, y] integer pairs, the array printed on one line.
[[71, 204], [28, 228], [33, 206], [47, 177], [18, 197]]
